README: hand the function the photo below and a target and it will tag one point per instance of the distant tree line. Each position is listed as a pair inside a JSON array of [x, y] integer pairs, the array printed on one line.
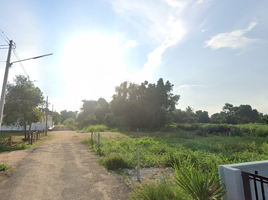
[[230, 114], [149, 105]]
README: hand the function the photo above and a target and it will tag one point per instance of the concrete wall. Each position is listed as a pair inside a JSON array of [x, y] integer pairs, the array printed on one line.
[[231, 176], [39, 126]]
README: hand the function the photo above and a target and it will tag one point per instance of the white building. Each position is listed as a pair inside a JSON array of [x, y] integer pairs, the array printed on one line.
[[39, 126]]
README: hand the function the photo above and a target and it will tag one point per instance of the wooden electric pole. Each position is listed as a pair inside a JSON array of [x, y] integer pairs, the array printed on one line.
[[46, 117], [4, 87]]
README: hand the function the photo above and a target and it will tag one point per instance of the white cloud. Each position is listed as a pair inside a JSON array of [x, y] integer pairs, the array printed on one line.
[[174, 3], [159, 23], [172, 38], [234, 39], [199, 2], [129, 44], [189, 86]]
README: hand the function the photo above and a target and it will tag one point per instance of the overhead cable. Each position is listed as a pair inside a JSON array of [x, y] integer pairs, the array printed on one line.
[[4, 36], [18, 58]]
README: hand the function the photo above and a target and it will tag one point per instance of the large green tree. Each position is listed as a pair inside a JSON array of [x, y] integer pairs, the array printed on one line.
[[93, 112], [22, 100], [67, 114], [145, 105]]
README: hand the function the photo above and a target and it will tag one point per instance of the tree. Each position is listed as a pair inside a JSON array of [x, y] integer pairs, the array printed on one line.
[[67, 114], [56, 118], [142, 106], [202, 116], [93, 112], [22, 100]]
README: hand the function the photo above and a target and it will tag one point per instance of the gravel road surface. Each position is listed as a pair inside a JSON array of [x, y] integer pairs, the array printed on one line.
[[62, 168]]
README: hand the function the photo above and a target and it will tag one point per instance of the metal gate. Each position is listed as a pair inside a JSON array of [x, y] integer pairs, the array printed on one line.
[[254, 183]]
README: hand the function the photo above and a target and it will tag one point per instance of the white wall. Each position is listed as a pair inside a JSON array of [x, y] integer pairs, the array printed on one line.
[[39, 126], [231, 176]]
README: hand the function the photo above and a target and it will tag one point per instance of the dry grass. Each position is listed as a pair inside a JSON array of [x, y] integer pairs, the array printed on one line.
[[16, 138], [18, 143]]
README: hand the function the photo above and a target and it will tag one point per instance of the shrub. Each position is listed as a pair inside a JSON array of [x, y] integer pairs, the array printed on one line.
[[113, 161], [69, 122], [162, 189], [21, 146], [94, 128], [3, 166], [200, 185]]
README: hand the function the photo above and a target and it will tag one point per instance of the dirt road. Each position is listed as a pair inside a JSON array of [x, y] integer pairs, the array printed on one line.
[[62, 168]]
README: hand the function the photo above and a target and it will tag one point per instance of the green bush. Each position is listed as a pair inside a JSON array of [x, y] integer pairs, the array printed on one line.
[[21, 146], [163, 189], [94, 128], [200, 185], [69, 122], [3, 166], [113, 161]]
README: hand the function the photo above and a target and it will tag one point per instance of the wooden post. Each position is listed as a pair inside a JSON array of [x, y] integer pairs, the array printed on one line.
[[99, 143], [138, 164], [32, 139], [10, 141], [29, 139], [92, 138]]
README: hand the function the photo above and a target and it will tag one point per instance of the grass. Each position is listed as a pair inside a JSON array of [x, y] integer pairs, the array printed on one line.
[[159, 149], [113, 162], [17, 142], [162, 149], [94, 128], [163, 189], [3, 166]]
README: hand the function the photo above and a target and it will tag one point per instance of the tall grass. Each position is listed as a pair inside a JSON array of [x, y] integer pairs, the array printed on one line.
[[255, 129], [163, 189], [204, 153], [94, 128]]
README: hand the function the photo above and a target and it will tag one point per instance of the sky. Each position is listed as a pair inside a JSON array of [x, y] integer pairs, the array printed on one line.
[[213, 51]]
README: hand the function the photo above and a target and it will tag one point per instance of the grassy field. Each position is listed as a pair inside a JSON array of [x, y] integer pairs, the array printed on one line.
[[162, 149], [17, 142]]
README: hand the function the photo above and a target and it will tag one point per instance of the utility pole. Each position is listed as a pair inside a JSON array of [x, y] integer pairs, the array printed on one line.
[[52, 116], [4, 87], [46, 117]]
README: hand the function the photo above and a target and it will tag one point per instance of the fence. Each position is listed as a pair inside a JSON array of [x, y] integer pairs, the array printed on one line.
[[255, 183], [33, 137]]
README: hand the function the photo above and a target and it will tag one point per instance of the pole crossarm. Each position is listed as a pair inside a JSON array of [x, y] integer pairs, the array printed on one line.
[[32, 58]]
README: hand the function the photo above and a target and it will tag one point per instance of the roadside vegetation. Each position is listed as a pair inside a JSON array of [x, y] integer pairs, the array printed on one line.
[[3, 166], [17, 142], [201, 154]]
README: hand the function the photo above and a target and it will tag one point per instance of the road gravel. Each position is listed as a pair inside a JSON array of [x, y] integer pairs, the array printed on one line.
[[62, 168]]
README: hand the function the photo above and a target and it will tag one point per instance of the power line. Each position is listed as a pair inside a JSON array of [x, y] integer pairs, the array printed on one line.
[[4, 46], [4, 36], [18, 58]]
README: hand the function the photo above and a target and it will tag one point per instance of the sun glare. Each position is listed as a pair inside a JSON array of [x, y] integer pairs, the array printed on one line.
[[93, 63]]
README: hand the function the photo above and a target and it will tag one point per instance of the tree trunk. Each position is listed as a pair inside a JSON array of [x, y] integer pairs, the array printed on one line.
[[25, 126], [30, 128]]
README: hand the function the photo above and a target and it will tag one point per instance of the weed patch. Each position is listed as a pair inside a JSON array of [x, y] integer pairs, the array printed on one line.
[[160, 190], [113, 162], [3, 166]]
